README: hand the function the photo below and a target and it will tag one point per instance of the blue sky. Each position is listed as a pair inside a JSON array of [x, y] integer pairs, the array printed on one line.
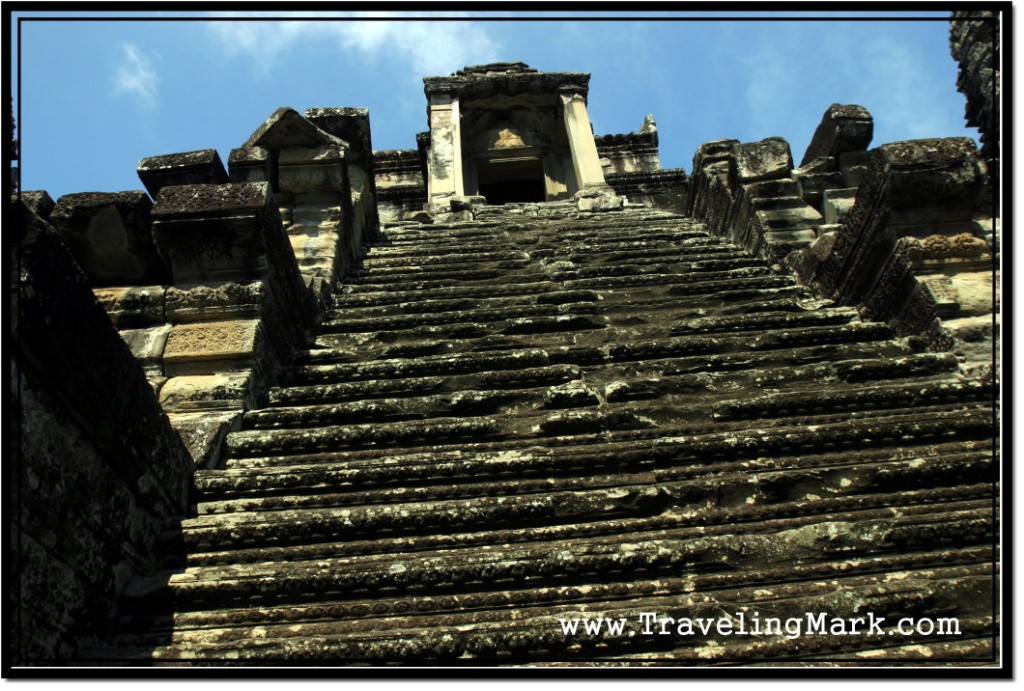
[[97, 96]]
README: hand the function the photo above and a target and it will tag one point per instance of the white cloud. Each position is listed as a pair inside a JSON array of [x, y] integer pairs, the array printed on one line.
[[136, 76], [427, 47]]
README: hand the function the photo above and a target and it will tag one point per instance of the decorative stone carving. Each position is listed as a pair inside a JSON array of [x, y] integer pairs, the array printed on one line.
[[222, 340]]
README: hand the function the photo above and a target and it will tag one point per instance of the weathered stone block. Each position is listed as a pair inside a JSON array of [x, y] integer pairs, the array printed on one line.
[[931, 180], [817, 176], [351, 125], [597, 199], [714, 152], [306, 169], [285, 128], [109, 236], [251, 164], [800, 217], [767, 159], [213, 302], [572, 394], [187, 168], [842, 128], [38, 202], [837, 203], [783, 187], [133, 306], [228, 390], [853, 166], [945, 248], [204, 433], [214, 232], [147, 345], [468, 203]]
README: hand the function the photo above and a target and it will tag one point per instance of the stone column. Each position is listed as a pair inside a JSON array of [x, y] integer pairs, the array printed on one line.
[[444, 163], [585, 160]]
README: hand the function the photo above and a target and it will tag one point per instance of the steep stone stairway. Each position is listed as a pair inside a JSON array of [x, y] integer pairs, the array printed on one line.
[[513, 423]]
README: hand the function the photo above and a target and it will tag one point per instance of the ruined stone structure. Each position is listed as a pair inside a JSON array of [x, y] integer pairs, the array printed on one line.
[[440, 403]]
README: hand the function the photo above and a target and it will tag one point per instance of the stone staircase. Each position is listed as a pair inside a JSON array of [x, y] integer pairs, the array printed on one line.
[[511, 421]]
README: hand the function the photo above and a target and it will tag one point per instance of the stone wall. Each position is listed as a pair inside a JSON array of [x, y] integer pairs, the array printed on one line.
[[98, 475]]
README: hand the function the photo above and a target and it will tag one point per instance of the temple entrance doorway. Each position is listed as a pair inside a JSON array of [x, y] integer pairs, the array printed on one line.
[[506, 180]]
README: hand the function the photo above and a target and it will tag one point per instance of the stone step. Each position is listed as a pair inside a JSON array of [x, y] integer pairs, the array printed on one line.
[[443, 474], [697, 270], [752, 280], [234, 624], [721, 520], [346, 493], [302, 525], [432, 261], [480, 277], [847, 536], [764, 336], [288, 447], [351, 298], [464, 403], [858, 399], [686, 375], [372, 389], [263, 520], [587, 243], [576, 315], [431, 365], [669, 254], [347, 311], [458, 270], [406, 433]]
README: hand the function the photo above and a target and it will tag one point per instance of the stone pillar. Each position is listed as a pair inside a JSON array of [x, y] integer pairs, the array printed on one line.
[[444, 163], [585, 160]]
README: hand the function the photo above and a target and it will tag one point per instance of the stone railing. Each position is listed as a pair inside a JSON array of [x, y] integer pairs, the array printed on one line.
[[915, 249], [746, 193]]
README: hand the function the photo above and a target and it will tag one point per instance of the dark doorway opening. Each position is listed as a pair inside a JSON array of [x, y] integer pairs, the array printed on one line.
[[511, 180]]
